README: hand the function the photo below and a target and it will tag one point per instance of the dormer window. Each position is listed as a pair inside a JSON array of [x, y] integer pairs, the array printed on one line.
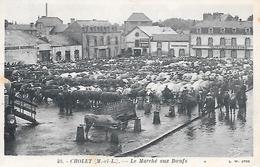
[[222, 30], [199, 30], [234, 30], [211, 30]]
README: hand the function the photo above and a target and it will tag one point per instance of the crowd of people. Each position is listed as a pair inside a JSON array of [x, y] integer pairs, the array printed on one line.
[[185, 82]]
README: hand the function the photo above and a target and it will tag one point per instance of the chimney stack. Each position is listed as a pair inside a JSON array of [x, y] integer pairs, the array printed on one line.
[[72, 20], [46, 10]]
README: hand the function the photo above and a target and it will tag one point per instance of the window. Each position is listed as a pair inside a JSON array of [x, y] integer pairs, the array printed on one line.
[[102, 40], [85, 29], [109, 53], [234, 54], [247, 30], [67, 56], [116, 41], [95, 41], [87, 51], [247, 54], [210, 53], [144, 50], [88, 44], [199, 30], [95, 53], [222, 30], [247, 42], [198, 53], [222, 41], [137, 34], [76, 54], [210, 41], [198, 41], [222, 53], [233, 41], [136, 43], [234, 30], [58, 56], [159, 44], [210, 30], [181, 52], [171, 53], [159, 52], [108, 40]]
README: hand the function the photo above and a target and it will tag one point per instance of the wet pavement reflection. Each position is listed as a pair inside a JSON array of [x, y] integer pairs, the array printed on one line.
[[218, 135], [214, 135]]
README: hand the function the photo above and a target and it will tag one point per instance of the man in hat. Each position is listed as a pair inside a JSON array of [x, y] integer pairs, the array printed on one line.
[[61, 102], [209, 103], [226, 101], [68, 101], [200, 101]]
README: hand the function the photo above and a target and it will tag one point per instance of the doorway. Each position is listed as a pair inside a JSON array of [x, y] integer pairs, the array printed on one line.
[[67, 56]]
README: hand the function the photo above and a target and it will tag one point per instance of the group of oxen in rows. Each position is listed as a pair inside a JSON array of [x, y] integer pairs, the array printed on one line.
[[66, 94]]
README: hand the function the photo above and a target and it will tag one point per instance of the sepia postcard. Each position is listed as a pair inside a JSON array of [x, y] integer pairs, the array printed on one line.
[[130, 83]]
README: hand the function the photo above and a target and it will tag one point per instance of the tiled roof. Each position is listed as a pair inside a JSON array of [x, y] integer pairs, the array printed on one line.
[[19, 38], [138, 17], [59, 28], [60, 40], [84, 23], [225, 24], [49, 21], [151, 30], [22, 27], [171, 37]]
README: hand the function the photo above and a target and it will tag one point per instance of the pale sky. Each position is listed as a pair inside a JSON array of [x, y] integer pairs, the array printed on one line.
[[117, 11]]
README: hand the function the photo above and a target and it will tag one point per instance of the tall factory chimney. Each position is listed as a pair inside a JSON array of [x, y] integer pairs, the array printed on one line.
[[46, 9]]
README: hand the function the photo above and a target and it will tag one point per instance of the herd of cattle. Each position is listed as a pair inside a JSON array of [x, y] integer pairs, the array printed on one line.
[[96, 82]]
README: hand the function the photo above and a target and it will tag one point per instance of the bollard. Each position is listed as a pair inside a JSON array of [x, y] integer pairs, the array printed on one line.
[[156, 117], [147, 108], [137, 126], [80, 134], [114, 138]]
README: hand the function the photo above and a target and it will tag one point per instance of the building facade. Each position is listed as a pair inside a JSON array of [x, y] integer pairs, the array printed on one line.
[[222, 39], [155, 41], [172, 45], [99, 39], [45, 24], [25, 48], [64, 49], [136, 19]]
